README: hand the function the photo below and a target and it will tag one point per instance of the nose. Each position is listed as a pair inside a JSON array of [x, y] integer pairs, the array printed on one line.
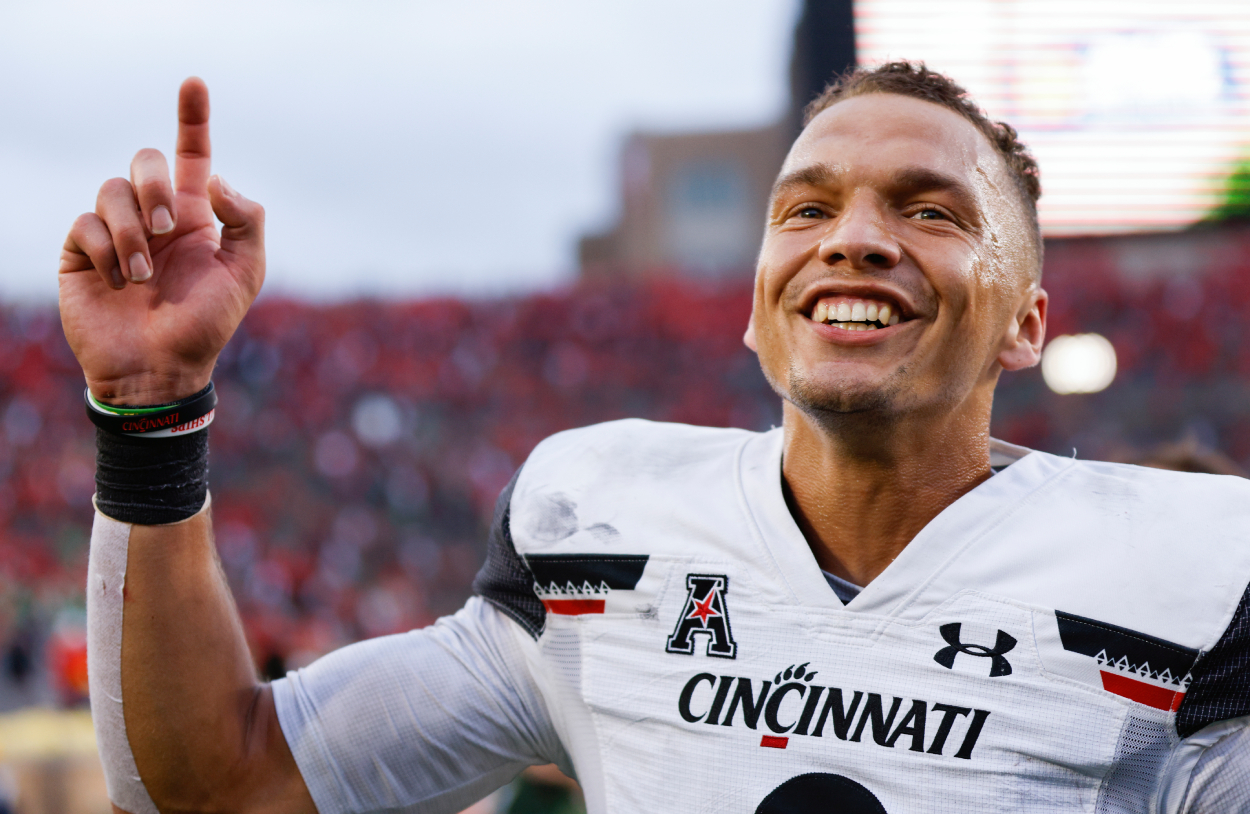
[[860, 236]]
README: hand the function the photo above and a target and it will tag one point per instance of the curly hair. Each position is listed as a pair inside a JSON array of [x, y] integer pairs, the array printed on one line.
[[914, 79]]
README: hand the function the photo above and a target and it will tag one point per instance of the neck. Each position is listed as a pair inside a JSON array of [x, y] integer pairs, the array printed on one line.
[[861, 488]]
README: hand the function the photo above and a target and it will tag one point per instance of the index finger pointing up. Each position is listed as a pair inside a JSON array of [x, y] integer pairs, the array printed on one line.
[[192, 165]]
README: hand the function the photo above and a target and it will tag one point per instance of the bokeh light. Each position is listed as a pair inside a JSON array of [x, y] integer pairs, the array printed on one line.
[[1080, 363]]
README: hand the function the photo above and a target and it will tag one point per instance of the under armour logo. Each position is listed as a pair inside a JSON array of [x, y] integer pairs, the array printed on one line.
[[999, 666]]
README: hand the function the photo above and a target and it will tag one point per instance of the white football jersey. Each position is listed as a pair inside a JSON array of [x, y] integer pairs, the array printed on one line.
[[1067, 636]]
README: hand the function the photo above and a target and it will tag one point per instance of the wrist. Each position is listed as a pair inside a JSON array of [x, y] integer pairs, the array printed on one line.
[[181, 417], [152, 462], [149, 388], [151, 482]]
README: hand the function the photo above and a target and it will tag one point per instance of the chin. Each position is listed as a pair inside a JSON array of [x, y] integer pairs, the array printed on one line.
[[840, 396]]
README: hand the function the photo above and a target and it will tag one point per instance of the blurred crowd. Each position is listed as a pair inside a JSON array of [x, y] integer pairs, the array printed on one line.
[[359, 448], [357, 451]]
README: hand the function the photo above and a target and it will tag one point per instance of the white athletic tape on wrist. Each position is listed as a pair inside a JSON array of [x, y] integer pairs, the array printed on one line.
[[106, 582]]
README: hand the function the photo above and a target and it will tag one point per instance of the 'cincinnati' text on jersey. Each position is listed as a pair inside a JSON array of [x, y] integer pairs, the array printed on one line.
[[848, 714]]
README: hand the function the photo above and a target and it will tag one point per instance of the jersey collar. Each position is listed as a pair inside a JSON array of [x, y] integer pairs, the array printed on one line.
[[901, 586]]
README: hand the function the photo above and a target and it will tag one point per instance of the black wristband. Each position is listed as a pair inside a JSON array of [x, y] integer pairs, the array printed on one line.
[[151, 481], [174, 418]]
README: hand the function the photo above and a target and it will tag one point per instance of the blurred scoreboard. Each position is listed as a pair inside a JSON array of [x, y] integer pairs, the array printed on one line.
[[1137, 112]]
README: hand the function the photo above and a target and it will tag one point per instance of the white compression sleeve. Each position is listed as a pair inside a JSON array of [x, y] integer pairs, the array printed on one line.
[[432, 720], [1220, 783], [106, 582]]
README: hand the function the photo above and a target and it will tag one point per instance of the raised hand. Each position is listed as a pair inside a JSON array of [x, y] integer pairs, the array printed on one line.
[[150, 291]]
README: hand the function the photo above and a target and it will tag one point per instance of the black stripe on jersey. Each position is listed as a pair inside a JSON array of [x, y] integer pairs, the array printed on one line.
[[1220, 689], [505, 580], [1091, 637], [620, 572]]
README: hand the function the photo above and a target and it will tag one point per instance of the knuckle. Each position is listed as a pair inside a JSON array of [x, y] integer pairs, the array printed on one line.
[[113, 186], [111, 191], [130, 237], [149, 154], [152, 188], [85, 224]]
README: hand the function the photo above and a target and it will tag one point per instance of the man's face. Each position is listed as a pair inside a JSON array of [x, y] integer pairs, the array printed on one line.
[[896, 264]]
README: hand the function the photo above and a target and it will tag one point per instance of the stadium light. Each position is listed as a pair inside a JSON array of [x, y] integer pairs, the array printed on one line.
[[1081, 363]]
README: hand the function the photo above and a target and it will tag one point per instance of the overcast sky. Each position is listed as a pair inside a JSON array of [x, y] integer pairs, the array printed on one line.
[[404, 148]]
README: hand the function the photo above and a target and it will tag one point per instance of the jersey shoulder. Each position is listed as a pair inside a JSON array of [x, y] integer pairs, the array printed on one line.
[[1183, 492], [1157, 558], [631, 448], [1151, 518], [587, 489], [590, 506]]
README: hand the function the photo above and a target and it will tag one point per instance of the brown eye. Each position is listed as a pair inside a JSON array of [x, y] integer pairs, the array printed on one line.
[[930, 214], [810, 212]]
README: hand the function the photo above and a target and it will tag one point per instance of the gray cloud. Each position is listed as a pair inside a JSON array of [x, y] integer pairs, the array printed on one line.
[[399, 147]]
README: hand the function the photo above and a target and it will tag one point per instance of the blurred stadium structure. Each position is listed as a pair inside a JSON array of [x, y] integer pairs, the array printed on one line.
[[362, 512], [1139, 114]]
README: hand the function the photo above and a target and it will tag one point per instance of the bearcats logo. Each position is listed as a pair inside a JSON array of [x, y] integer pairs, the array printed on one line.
[[999, 666], [704, 613]]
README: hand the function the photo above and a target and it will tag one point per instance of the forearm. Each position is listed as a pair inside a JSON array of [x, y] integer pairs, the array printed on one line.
[[187, 676], [201, 729]]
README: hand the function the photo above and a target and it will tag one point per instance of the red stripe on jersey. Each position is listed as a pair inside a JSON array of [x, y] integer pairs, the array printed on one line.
[[774, 742], [574, 607], [1149, 694]]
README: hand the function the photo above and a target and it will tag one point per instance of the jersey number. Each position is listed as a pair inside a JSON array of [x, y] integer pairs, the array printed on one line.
[[823, 793]]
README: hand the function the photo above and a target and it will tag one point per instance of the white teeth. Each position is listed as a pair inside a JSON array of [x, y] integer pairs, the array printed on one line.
[[854, 316]]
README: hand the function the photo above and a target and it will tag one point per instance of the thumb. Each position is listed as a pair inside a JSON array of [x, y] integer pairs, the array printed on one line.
[[243, 224]]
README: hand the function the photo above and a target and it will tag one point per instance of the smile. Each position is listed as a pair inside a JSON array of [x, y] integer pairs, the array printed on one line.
[[855, 313]]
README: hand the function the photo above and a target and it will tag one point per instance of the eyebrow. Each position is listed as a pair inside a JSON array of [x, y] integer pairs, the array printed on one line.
[[923, 179], [911, 180], [816, 175]]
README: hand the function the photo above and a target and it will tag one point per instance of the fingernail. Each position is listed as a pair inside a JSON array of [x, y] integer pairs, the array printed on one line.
[[118, 282], [162, 222], [139, 270], [226, 188]]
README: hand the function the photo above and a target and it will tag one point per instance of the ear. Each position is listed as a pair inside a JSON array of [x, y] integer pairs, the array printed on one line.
[[1022, 345], [748, 338]]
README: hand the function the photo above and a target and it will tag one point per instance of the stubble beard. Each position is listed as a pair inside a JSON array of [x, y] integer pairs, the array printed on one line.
[[834, 406]]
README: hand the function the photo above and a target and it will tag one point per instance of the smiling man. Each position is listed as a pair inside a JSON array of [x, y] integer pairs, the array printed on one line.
[[898, 277], [875, 608]]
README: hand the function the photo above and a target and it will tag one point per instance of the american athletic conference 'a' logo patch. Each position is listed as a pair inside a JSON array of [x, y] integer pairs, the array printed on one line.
[[705, 613]]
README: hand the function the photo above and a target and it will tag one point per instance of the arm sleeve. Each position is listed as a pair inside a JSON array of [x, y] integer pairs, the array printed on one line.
[[1220, 782], [1214, 720], [1220, 690], [431, 720]]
